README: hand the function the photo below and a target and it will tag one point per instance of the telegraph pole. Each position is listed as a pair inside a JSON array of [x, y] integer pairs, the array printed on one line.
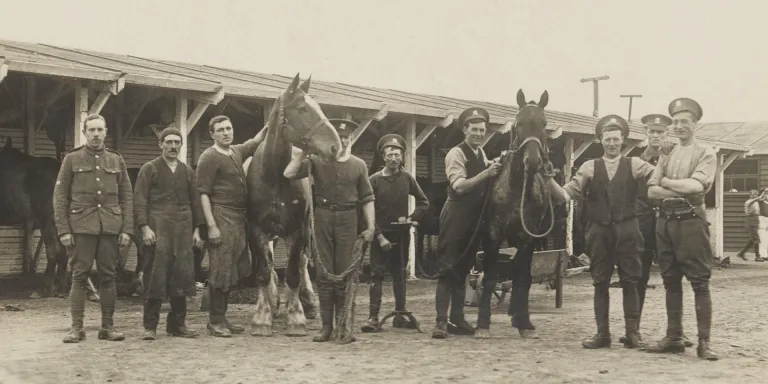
[[594, 81], [629, 117]]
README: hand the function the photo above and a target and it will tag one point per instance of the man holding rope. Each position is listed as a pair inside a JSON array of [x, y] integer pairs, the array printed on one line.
[[340, 189], [468, 172], [681, 181], [609, 186], [391, 187]]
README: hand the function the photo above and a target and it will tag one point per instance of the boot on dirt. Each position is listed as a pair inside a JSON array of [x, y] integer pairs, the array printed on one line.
[[340, 299], [440, 331], [325, 297], [667, 345], [149, 334], [74, 336], [632, 339], [234, 329], [372, 325], [175, 324], [600, 340], [218, 330], [704, 352], [110, 334], [401, 321]]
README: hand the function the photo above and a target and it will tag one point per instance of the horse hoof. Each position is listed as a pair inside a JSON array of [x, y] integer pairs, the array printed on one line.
[[528, 334], [261, 330], [296, 331], [481, 333]]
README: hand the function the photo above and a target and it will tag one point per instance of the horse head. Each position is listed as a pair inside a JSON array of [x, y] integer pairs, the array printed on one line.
[[528, 131], [306, 126]]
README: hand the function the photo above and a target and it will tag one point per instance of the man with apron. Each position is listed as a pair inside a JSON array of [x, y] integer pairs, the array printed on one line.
[[468, 172], [609, 186], [93, 209], [223, 197], [340, 189], [680, 181], [391, 187], [168, 215]]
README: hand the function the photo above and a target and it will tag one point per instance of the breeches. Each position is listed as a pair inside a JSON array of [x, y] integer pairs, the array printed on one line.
[[615, 245], [87, 248], [684, 249]]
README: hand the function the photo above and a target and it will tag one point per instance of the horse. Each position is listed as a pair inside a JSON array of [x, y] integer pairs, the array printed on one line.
[[279, 207], [26, 198], [517, 207]]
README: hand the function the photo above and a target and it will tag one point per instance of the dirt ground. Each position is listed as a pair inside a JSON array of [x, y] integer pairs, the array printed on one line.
[[31, 350]]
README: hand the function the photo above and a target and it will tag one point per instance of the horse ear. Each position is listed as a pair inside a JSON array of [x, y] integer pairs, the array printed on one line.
[[520, 98], [294, 84], [544, 100], [305, 85]]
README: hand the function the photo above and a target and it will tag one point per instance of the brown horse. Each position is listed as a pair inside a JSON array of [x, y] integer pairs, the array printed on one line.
[[279, 208], [518, 208], [26, 197]]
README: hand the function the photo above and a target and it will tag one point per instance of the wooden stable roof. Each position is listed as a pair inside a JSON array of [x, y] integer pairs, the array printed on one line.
[[753, 134], [214, 82]]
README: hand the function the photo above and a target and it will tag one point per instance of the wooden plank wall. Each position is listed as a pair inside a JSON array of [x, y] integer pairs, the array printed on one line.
[[735, 235]]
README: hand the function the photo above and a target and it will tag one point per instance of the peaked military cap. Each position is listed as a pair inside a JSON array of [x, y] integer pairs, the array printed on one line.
[[612, 121], [343, 127], [656, 120], [472, 114], [685, 104], [391, 140]]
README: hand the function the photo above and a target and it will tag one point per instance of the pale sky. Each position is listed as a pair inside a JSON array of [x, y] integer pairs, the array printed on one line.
[[485, 50]]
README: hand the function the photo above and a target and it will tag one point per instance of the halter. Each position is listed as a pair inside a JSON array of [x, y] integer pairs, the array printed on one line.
[[303, 140]]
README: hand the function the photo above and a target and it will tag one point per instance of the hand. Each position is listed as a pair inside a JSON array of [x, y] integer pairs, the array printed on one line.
[[67, 240], [214, 235], [197, 241], [148, 236], [384, 243], [123, 239], [663, 182], [667, 146], [367, 235], [493, 169]]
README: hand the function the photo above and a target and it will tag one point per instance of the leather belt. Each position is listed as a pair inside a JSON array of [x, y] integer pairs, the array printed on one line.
[[336, 206], [677, 215]]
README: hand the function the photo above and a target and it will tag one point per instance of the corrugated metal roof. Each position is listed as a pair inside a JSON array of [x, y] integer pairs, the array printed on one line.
[[753, 134], [84, 64]]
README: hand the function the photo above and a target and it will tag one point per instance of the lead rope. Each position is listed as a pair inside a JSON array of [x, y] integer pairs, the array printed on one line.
[[343, 330]]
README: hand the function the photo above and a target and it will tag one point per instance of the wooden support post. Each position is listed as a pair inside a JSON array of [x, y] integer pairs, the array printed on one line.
[[580, 151], [99, 103], [570, 159], [410, 166], [723, 162], [381, 114], [627, 149], [30, 134], [180, 119], [117, 130], [3, 70], [81, 111]]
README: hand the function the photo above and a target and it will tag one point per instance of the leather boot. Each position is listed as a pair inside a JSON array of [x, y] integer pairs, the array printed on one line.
[[458, 325], [631, 315], [601, 306], [374, 293], [703, 318], [234, 329], [77, 307], [216, 326], [326, 299], [74, 336], [442, 302], [176, 323], [704, 352], [673, 341], [440, 331], [340, 298]]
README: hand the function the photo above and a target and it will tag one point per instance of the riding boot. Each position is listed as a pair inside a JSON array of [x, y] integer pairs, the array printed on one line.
[[216, 310], [673, 341], [235, 329], [176, 323], [374, 293], [458, 325], [326, 299], [442, 302], [77, 295], [631, 316], [602, 307], [151, 317], [108, 295], [703, 302]]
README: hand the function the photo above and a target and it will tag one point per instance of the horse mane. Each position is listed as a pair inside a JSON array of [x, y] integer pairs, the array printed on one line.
[[277, 150]]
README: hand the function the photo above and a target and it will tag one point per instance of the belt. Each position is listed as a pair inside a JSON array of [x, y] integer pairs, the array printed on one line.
[[678, 215], [336, 206], [614, 221]]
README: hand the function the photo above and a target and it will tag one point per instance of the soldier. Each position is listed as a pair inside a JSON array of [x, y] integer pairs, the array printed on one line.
[[680, 181], [168, 215], [223, 196], [94, 215], [468, 172], [391, 187], [752, 222], [610, 186], [340, 188]]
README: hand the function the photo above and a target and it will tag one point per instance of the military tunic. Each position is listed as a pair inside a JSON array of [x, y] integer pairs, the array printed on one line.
[[169, 203], [222, 178]]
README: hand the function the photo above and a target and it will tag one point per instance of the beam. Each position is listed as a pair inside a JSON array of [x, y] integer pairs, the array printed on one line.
[[81, 111], [381, 114], [240, 107], [3, 70], [134, 116], [582, 148], [570, 158], [195, 116], [488, 137], [208, 98], [62, 71], [99, 103], [180, 119], [424, 135], [727, 161], [627, 149], [410, 166]]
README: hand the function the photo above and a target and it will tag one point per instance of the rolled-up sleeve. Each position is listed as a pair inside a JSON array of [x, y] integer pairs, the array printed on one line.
[[641, 169], [705, 169], [658, 171], [455, 166], [246, 149], [364, 188], [577, 184], [206, 173]]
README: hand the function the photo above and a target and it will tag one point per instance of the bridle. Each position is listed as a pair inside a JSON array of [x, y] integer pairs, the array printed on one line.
[[300, 141]]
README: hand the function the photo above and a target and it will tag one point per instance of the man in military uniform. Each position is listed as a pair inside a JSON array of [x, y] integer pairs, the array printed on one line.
[[223, 197], [468, 172], [609, 186], [168, 215], [680, 181], [391, 187], [93, 207], [340, 188]]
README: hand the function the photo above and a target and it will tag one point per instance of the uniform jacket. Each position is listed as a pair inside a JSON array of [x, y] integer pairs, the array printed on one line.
[[93, 194]]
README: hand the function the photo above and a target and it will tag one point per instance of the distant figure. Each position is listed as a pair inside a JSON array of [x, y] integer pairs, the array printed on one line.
[[752, 213], [762, 226]]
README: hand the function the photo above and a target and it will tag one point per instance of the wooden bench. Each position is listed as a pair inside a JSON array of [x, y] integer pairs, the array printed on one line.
[[546, 266]]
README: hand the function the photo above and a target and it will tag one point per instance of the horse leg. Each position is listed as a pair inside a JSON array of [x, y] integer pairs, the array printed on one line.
[[295, 320], [491, 245], [55, 270], [306, 291], [521, 287], [261, 323]]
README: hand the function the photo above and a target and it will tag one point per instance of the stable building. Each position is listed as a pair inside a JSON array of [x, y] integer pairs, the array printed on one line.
[[46, 91]]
